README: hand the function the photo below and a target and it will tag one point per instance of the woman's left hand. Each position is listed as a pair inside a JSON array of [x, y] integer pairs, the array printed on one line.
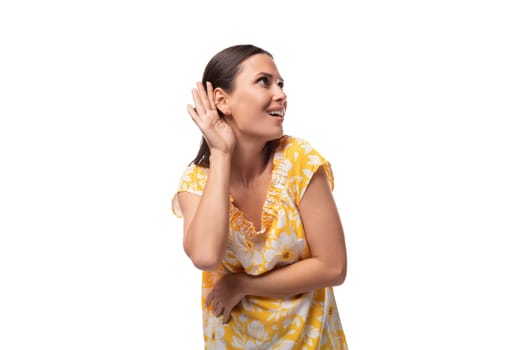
[[225, 295]]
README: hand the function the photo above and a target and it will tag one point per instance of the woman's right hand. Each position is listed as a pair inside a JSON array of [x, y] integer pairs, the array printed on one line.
[[218, 134]]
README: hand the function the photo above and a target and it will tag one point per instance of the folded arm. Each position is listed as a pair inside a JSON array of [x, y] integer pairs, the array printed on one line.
[[326, 266]]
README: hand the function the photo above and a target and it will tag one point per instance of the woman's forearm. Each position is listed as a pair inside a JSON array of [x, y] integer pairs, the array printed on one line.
[[300, 277], [207, 234]]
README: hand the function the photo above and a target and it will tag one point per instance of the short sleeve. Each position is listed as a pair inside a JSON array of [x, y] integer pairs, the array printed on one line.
[[304, 161], [193, 180]]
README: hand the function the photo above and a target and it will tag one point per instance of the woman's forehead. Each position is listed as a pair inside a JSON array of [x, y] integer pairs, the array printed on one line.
[[259, 63]]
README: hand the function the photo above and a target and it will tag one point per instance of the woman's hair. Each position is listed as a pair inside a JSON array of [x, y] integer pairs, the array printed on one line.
[[221, 71]]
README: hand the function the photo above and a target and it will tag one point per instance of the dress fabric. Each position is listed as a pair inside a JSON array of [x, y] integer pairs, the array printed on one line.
[[305, 321]]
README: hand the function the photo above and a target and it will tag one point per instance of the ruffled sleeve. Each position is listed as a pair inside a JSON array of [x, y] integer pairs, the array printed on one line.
[[304, 161], [193, 180]]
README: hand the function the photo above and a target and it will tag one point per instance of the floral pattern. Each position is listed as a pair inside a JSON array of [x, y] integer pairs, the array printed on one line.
[[306, 321]]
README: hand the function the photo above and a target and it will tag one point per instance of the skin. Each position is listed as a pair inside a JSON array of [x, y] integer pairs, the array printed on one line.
[[237, 167]]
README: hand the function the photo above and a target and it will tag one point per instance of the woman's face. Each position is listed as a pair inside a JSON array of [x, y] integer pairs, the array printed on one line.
[[258, 103]]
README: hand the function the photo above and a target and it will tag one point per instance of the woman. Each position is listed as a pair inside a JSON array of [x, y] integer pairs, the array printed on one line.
[[259, 216]]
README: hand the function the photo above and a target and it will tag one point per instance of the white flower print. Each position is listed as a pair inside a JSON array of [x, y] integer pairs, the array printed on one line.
[[333, 328], [258, 335], [283, 250], [314, 160], [286, 308], [286, 165], [306, 146], [287, 322], [214, 333], [311, 334], [281, 220], [247, 252], [250, 335], [255, 345], [239, 341], [256, 330], [283, 345], [248, 305]]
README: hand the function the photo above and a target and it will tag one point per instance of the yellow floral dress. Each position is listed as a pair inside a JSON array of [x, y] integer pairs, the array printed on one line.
[[306, 321]]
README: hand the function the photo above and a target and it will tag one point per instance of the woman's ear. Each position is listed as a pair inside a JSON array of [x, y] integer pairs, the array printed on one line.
[[221, 100]]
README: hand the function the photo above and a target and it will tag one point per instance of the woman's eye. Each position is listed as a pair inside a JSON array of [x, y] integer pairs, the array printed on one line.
[[262, 81]]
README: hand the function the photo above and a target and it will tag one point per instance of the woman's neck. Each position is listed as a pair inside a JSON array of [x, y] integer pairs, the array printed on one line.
[[248, 163]]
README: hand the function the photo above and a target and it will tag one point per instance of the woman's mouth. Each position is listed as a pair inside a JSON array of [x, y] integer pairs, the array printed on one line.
[[276, 113]]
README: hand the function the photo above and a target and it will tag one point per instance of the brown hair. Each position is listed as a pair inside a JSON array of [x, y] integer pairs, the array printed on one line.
[[221, 71]]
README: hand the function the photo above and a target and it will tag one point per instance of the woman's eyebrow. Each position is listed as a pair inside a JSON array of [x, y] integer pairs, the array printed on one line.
[[269, 75]]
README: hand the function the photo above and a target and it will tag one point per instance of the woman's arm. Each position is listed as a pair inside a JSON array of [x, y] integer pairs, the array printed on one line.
[[206, 217], [326, 266], [325, 237]]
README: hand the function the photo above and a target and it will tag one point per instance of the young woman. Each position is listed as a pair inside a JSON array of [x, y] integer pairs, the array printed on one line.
[[259, 216]]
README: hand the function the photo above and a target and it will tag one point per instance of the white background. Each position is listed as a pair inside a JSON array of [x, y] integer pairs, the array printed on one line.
[[419, 106]]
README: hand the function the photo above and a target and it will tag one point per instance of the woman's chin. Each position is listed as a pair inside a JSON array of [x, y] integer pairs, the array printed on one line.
[[278, 133]]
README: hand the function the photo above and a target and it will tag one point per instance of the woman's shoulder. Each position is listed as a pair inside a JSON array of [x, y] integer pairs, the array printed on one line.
[[300, 162], [194, 170], [293, 145], [194, 176]]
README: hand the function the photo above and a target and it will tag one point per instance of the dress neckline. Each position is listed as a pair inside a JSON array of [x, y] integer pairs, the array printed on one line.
[[269, 209]]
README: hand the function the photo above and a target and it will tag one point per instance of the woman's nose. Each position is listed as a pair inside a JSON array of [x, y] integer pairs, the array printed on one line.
[[279, 94]]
